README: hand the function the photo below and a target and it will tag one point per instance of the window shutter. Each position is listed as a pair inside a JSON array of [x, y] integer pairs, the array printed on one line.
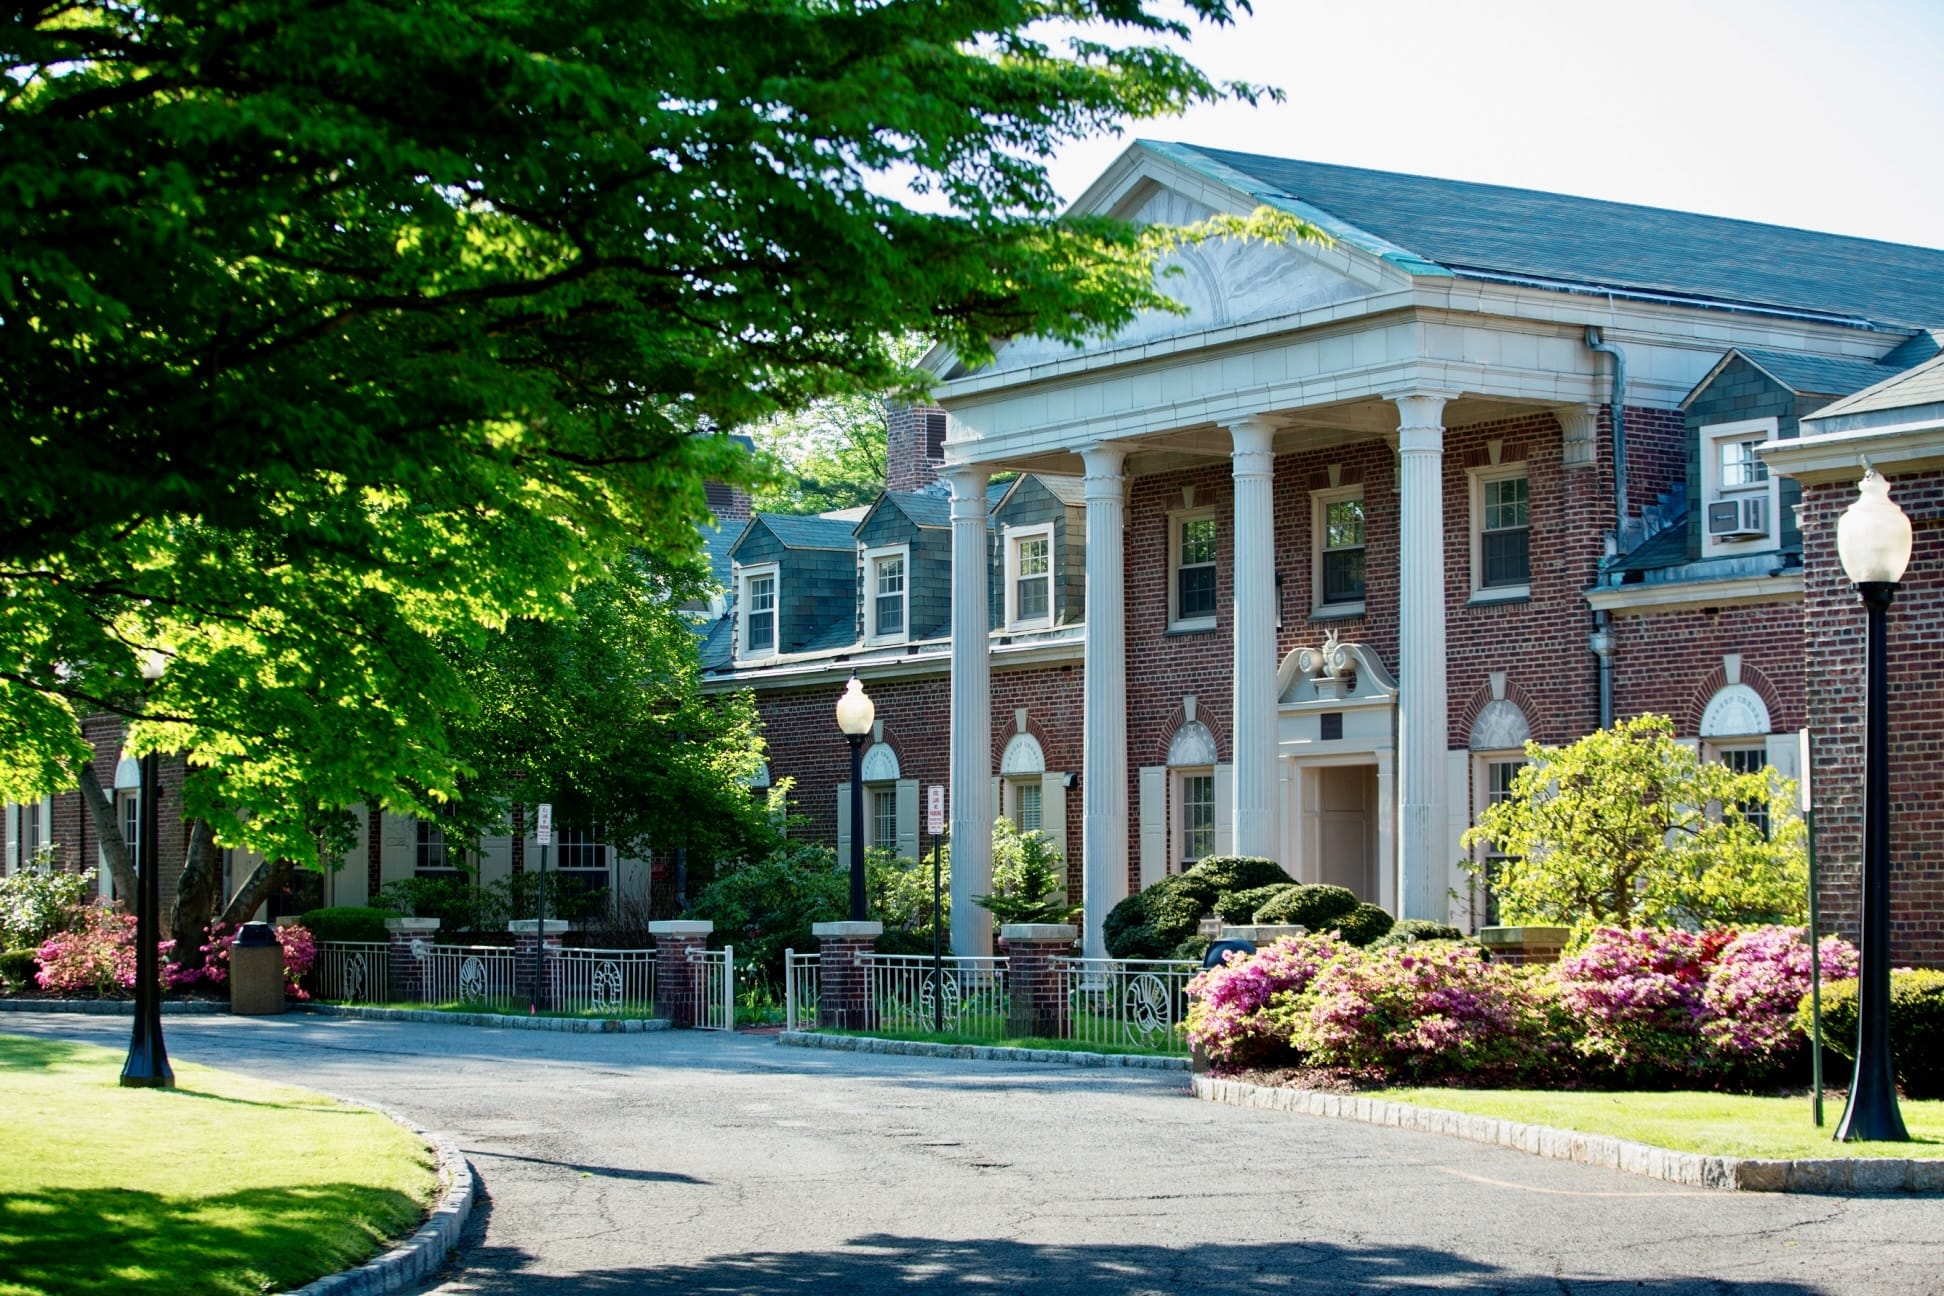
[[908, 819], [843, 824], [1785, 758], [1225, 809], [1053, 810], [1154, 825]]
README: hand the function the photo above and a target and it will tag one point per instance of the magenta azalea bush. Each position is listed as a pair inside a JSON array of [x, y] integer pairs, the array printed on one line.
[[1436, 1011], [1636, 998], [1748, 1007], [299, 952], [1229, 1006], [95, 955]]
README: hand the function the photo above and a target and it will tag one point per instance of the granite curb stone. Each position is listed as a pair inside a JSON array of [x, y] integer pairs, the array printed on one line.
[[504, 1021], [414, 1259], [1693, 1169], [111, 1007], [980, 1052]]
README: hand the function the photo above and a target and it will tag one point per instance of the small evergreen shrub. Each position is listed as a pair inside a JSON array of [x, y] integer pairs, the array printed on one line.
[[1315, 907], [1195, 947], [1364, 924], [1227, 873], [1410, 931], [1150, 923], [17, 969], [1916, 1026], [1239, 907], [349, 923]]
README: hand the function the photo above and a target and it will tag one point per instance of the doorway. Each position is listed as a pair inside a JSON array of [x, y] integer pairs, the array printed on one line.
[[1346, 803]]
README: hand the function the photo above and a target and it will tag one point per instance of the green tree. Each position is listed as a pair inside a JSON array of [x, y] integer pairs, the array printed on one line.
[[1628, 827], [1028, 878], [333, 335]]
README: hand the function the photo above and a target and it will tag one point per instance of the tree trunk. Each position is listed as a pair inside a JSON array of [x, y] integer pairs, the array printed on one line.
[[265, 878], [114, 847], [196, 892]]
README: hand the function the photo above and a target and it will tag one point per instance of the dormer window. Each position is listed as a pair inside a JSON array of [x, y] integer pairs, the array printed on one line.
[[1740, 498], [887, 593], [759, 610], [1029, 576]]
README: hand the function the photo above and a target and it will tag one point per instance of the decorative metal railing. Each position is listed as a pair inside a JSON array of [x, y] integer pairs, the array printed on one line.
[[714, 988], [352, 972], [800, 990], [966, 997], [605, 982], [470, 975], [1133, 1003]]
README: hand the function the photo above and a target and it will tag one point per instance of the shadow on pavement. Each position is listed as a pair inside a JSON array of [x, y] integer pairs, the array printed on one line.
[[598, 1172], [883, 1263]]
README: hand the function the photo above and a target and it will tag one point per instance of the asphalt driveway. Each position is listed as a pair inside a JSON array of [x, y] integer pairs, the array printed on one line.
[[697, 1163]]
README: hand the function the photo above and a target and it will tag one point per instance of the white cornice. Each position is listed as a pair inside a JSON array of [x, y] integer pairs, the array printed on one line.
[[1679, 596], [1892, 449], [928, 663]]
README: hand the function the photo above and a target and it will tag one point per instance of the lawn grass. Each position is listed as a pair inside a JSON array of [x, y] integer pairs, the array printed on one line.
[[224, 1184], [1710, 1123], [1007, 1041]]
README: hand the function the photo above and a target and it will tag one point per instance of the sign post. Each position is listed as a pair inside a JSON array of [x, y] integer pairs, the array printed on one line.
[[543, 833], [935, 825]]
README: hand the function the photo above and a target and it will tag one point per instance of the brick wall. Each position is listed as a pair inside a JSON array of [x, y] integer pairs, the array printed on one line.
[[1670, 663], [907, 465], [1833, 627], [72, 826]]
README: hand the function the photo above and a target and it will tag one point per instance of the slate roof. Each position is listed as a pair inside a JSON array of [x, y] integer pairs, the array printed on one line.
[[795, 532], [1820, 375], [924, 510], [1923, 385], [1490, 231], [1664, 549], [718, 647], [716, 545]]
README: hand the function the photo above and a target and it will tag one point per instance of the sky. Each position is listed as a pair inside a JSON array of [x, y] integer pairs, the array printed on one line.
[[1825, 116]]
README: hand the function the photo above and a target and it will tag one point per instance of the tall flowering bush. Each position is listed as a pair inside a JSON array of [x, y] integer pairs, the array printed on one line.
[[96, 953], [299, 953], [1636, 995], [1748, 1005], [1229, 1015], [1432, 1012]]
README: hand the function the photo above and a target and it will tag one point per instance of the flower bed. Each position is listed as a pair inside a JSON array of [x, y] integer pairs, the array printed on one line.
[[94, 954]]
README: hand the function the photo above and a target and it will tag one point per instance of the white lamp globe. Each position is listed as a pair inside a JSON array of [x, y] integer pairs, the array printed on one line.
[[1873, 535], [855, 712]]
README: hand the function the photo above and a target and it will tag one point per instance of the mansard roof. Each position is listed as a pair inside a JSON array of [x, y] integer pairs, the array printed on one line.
[[1557, 240]]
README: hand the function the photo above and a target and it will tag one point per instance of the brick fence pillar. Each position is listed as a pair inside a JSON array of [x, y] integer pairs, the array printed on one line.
[[524, 940], [407, 973], [1034, 985], [843, 979], [1516, 945], [677, 994]]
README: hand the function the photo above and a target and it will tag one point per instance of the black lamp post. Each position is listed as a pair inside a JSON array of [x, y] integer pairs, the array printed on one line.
[[1873, 538], [855, 713], [148, 1059]]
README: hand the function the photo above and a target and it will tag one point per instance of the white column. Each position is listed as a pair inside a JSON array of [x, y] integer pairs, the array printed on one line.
[[1103, 777], [971, 790], [1254, 726], [1421, 658]]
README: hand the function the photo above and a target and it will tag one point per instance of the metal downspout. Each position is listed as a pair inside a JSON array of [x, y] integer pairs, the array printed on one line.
[[1602, 638]]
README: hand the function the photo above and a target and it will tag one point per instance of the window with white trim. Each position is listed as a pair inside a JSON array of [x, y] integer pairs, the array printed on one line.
[[1501, 532], [886, 593], [581, 851], [1029, 576], [1741, 499], [1497, 772], [430, 858], [1195, 795], [758, 604], [1747, 760], [1338, 547], [1193, 570], [884, 817]]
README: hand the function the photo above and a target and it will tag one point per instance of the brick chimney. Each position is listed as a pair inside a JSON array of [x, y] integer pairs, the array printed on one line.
[[915, 446]]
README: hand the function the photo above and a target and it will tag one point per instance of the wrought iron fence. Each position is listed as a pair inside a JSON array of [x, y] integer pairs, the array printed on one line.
[[969, 999], [352, 972], [473, 975], [1134, 1003], [714, 987], [613, 982], [800, 990]]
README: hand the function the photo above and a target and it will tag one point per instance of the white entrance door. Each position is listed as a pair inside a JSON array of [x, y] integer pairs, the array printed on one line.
[[1347, 828]]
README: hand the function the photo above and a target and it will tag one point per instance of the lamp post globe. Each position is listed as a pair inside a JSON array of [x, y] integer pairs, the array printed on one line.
[[855, 715], [1873, 540], [147, 1066]]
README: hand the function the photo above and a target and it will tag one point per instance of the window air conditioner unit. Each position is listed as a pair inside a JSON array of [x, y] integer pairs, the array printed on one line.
[[1729, 518]]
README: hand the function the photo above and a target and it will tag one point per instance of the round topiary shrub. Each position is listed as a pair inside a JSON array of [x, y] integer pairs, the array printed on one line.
[[1409, 931], [1314, 907], [349, 923], [1364, 924], [1125, 925], [1192, 948], [1228, 873], [1241, 906], [1916, 1026]]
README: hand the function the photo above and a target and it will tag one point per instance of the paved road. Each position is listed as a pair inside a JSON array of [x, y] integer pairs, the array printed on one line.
[[696, 1163]]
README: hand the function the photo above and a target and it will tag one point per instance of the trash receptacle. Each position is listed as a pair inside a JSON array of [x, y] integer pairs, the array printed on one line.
[[256, 972]]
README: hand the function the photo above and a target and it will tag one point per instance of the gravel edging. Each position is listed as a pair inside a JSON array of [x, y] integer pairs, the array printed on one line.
[[980, 1052], [111, 1007], [504, 1021], [412, 1260], [1694, 1169]]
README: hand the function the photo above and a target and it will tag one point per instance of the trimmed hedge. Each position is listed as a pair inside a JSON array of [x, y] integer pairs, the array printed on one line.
[[1315, 907], [1364, 924], [1153, 923], [1228, 873], [1409, 931], [348, 923], [1239, 907], [17, 968], [1916, 1026]]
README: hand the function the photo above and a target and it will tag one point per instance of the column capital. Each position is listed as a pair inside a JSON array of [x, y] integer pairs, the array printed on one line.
[[1418, 408], [1105, 461], [1253, 438], [965, 478], [1251, 431]]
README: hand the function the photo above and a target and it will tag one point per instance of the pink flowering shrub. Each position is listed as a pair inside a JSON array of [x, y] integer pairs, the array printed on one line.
[[1229, 1006], [299, 952], [96, 954], [1636, 996], [1430, 1012], [1748, 1005]]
